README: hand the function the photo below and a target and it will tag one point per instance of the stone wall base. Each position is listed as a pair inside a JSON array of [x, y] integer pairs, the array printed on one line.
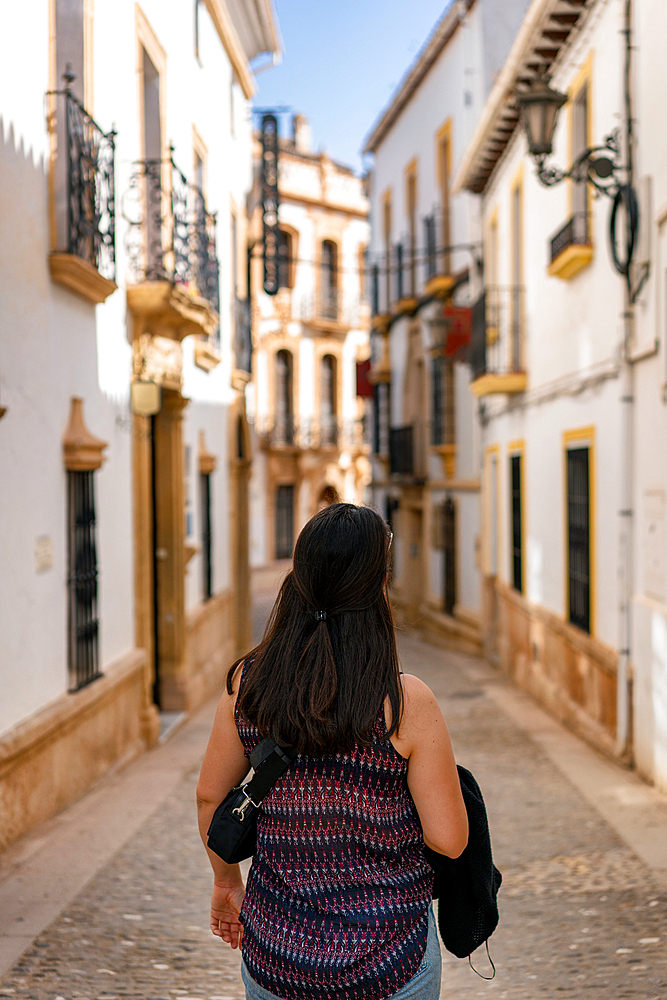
[[460, 631], [50, 759], [209, 651], [572, 674]]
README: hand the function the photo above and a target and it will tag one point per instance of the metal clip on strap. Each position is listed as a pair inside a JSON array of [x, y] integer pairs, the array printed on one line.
[[240, 811]]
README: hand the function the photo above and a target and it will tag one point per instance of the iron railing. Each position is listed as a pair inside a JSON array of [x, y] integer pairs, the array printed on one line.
[[310, 434], [575, 232], [346, 309], [91, 207], [498, 334], [83, 630], [171, 234]]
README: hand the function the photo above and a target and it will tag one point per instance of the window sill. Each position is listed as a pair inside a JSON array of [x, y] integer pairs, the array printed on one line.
[[570, 261], [79, 276]]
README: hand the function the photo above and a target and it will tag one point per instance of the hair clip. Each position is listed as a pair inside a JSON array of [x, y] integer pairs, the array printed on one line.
[[320, 616]]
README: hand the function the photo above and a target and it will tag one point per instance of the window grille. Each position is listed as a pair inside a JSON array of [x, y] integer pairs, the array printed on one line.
[[517, 549], [83, 624], [442, 401], [328, 422], [206, 534], [449, 553], [381, 419], [284, 521], [578, 537]]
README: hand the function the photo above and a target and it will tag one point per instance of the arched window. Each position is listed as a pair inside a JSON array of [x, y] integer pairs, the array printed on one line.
[[329, 288], [284, 425], [328, 409]]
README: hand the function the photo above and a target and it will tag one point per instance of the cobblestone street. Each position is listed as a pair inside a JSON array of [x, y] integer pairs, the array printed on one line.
[[581, 913]]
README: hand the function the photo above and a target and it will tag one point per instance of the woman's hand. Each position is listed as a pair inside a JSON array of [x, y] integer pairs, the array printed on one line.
[[226, 903]]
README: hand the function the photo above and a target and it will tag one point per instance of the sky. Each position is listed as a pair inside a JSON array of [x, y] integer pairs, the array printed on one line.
[[341, 63]]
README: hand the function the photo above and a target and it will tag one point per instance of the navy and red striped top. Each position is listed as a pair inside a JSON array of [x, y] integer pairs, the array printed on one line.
[[337, 897]]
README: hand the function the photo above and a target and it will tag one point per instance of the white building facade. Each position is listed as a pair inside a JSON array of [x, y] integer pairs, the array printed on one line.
[[125, 161], [425, 267], [308, 341], [569, 367]]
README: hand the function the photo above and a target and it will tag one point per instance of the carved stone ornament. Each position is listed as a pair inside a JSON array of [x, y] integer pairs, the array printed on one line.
[[207, 461], [158, 359], [82, 451]]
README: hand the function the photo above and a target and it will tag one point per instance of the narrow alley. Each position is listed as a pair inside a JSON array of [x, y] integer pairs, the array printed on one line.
[[110, 899]]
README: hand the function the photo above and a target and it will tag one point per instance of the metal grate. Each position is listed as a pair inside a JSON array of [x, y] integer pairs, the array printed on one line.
[[578, 538], [517, 548], [442, 401], [574, 233], [284, 521], [206, 534], [83, 624], [449, 545]]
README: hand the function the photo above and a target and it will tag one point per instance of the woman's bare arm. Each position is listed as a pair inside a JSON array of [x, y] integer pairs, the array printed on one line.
[[224, 766], [433, 780]]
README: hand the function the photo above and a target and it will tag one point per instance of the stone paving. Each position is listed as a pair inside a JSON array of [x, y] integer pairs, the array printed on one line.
[[581, 915]]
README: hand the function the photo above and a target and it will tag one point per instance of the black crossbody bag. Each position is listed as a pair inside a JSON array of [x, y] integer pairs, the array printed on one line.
[[232, 834]]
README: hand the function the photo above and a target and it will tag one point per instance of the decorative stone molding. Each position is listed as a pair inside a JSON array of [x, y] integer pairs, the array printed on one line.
[[207, 461], [80, 276], [206, 357], [159, 306], [82, 451]]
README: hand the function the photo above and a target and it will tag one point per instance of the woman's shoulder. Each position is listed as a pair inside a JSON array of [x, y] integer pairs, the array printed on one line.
[[415, 692], [418, 702]]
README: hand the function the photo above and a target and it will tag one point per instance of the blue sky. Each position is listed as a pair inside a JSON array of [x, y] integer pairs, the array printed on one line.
[[342, 61]]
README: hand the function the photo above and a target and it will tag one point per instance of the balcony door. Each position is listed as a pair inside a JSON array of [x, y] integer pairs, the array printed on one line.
[[284, 414], [329, 280]]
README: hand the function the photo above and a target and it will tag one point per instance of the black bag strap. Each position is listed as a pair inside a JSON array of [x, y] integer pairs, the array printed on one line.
[[269, 761]]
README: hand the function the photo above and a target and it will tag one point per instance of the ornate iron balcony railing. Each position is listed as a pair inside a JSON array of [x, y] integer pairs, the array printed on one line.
[[498, 334], [407, 454], [309, 434], [575, 232], [91, 209], [171, 234]]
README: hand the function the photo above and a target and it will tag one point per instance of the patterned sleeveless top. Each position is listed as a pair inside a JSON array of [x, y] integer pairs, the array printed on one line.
[[337, 897]]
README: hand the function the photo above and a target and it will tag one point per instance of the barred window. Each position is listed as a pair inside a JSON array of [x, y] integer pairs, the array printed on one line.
[[206, 534], [449, 554], [517, 535], [83, 625], [578, 537], [442, 401]]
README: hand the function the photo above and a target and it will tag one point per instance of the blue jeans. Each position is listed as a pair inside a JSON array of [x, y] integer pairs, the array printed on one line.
[[424, 985]]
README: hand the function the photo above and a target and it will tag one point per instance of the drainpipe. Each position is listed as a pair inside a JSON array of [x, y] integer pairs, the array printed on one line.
[[624, 674]]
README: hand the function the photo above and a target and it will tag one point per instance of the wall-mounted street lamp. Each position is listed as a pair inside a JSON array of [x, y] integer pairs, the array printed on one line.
[[597, 165]]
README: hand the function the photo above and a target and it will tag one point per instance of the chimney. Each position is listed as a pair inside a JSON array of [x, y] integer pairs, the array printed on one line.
[[303, 136]]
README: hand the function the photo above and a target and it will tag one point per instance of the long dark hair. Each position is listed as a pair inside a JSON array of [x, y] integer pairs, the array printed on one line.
[[328, 657]]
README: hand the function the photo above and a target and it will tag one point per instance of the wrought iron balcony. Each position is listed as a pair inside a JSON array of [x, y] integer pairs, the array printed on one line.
[[309, 434], [328, 303], [85, 209], [437, 271], [327, 310], [496, 353], [570, 249], [171, 234]]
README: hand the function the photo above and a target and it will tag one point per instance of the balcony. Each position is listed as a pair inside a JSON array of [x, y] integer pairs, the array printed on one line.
[[171, 249], [497, 343], [571, 249], [331, 312], [309, 434], [84, 204], [405, 279], [407, 452]]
